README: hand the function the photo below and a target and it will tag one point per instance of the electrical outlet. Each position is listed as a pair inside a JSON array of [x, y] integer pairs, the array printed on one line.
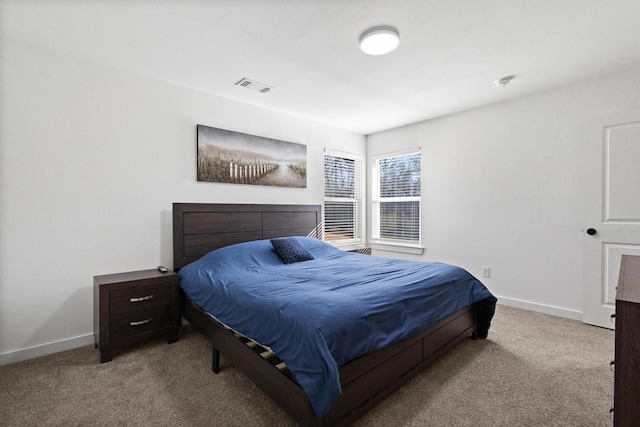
[[486, 271]]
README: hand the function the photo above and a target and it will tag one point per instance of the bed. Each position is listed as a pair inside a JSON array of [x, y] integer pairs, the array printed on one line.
[[318, 356]]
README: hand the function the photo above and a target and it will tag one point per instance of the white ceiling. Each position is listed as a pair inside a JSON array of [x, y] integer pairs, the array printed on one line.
[[451, 51]]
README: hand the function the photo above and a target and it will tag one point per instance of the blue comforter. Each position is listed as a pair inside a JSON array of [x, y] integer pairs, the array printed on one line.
[[318, 315]]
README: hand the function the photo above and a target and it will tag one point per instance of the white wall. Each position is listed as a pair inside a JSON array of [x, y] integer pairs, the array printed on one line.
[[502, 188], [91, 159]]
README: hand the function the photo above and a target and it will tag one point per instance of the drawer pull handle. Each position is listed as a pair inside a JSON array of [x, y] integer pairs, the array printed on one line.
[[141, 322], [147, 298]]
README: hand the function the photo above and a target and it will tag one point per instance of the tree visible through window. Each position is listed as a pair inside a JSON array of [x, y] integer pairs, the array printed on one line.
[[396, 197], [342, 198]]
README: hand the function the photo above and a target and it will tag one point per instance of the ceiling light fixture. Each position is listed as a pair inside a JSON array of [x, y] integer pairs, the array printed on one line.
[[379, 40]]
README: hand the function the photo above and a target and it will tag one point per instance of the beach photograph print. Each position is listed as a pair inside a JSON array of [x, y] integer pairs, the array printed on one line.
[[238, 158]]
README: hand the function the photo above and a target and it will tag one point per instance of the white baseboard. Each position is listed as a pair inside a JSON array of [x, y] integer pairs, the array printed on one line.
[[541, 308], [44, 349]]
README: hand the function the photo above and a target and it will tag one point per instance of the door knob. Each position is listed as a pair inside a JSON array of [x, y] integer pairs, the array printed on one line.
[[591, 231]]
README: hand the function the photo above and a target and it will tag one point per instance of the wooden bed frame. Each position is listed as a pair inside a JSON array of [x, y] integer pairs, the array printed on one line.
[[366, 381]]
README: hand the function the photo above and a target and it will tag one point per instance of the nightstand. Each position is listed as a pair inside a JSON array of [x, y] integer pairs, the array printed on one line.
[[132, 307]]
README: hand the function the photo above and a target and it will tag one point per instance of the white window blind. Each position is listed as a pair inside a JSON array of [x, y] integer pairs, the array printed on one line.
[[396, 197], [342, 198]]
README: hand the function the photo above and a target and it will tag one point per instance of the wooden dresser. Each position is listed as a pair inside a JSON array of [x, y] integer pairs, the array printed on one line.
[[627, 348]]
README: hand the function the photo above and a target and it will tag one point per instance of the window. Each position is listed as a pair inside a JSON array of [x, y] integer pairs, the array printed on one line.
[[342, 198], [396, 198]]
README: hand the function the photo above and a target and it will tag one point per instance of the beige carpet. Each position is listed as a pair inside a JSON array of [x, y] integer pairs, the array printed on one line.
[[534, 370]]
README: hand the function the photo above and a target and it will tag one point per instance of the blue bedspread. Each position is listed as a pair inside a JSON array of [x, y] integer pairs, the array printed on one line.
[[318, 315]]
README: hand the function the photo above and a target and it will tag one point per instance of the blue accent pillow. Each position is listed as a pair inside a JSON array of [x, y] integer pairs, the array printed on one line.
[[291, 250]]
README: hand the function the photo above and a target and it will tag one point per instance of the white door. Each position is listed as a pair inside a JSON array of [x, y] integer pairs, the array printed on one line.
[[612, 209]]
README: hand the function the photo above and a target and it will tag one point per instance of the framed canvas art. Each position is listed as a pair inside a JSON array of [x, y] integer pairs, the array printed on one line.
[[238, 158]]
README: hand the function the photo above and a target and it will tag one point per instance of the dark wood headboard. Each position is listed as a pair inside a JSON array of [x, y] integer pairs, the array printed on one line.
[[199, 228]]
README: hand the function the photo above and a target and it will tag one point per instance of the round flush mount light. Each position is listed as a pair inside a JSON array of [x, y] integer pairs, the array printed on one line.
[[379, 40]]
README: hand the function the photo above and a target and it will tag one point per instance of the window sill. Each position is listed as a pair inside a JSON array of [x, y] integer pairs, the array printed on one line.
[[346, 245], [405, 248]]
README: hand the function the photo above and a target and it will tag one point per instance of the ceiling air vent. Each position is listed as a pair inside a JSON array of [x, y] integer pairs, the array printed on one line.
[[250, 84]]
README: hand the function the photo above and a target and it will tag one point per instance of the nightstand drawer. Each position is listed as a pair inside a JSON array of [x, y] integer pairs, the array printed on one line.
[[139, 297], [128, 324]]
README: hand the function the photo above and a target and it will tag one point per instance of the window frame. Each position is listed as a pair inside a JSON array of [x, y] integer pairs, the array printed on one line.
[[400, 245], [357, 200]]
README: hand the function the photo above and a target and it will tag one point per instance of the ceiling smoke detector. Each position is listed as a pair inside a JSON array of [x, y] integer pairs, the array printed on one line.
[[250, 84], [503, 81]]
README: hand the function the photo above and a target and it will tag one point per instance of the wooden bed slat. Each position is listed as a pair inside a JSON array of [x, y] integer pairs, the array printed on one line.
[[272, 234], [281, 220], [221, 222], [197, 245]]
